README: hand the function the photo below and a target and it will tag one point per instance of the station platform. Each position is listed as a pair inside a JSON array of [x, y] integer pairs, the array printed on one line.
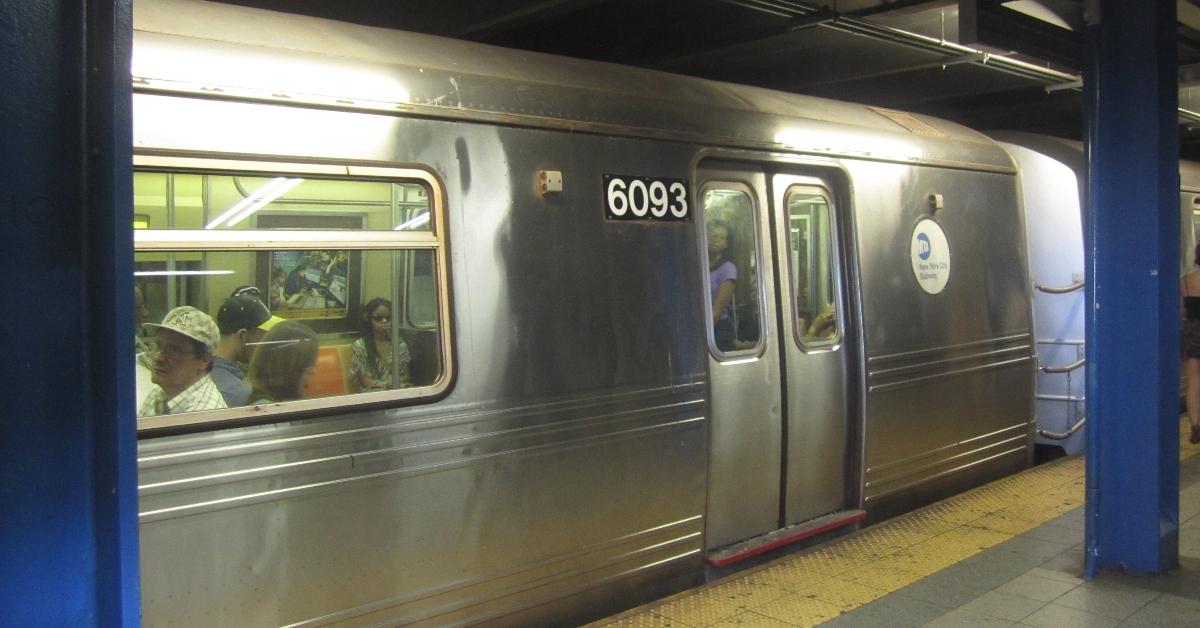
[[1009, 553]]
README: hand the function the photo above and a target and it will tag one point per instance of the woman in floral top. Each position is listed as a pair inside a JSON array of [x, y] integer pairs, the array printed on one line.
[[371, 355]]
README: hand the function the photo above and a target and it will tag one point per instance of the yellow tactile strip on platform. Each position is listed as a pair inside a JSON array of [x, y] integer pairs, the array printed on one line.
[[816, 586]]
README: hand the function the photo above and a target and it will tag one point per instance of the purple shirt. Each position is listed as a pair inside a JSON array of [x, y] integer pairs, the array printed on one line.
[[725, 272]]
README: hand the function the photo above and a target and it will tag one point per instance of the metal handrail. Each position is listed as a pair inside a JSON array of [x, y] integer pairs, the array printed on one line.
[[1066, 368], [1058, 290], [1062, 435], [1061, 341], [1061, 397]]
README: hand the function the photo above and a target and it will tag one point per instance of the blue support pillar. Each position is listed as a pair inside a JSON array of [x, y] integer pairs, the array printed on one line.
[[1132, 230], [68, 502]]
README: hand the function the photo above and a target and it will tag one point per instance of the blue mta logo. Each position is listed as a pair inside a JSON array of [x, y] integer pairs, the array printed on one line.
[[923, 247]]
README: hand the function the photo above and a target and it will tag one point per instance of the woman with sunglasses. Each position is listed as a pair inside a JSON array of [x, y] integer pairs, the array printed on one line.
[[371, 356]]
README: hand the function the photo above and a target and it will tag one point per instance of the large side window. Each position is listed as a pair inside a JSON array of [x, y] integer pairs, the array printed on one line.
[[813, 266], [732, 264], [269, 288]]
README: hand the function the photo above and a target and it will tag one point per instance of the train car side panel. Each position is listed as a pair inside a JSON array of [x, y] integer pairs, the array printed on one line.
[[949, 372], [570, 456]]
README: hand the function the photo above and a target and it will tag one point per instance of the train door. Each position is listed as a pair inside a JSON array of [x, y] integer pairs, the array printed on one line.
[[776, 358], [811, 311]]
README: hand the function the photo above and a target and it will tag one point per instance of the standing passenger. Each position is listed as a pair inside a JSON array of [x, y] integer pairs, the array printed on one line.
[[187, 338], [722, 278], [242, 320]]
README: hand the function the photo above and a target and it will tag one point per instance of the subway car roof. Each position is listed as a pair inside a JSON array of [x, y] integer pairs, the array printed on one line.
[[1070, 153], [219, 50]]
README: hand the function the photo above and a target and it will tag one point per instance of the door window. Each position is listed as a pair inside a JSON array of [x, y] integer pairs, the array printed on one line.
[[731, 253], [813, 269]]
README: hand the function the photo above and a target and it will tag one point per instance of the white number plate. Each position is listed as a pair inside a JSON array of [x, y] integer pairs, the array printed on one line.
[[630, 197]]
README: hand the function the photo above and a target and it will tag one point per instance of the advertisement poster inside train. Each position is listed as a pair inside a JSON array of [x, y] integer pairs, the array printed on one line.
[[310, 284]]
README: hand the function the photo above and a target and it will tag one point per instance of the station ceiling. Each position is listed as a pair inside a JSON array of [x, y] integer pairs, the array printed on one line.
[[989, 64]]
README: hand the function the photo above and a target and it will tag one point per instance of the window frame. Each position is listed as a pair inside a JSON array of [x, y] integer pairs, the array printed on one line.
[[253, 240]]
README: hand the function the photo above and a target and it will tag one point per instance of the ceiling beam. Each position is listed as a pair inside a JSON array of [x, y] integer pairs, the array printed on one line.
[[521, 17], [1187, 14]]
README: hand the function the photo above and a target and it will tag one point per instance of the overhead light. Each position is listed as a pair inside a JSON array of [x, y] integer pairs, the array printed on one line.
[[257, 199], [1038, 11], [168, 273], [413, 223]]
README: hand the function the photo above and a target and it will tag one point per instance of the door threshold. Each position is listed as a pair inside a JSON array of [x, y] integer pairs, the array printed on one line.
[[764, 543]]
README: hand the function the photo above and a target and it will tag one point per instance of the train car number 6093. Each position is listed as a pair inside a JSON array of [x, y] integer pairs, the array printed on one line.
[[630, 197]]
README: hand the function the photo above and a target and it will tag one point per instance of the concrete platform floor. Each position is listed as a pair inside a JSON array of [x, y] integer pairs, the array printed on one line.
[[1006, 554]]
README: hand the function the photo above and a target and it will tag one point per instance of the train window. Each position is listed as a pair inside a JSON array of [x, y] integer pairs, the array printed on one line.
[[294, 288], [731, 248], [813, 266], [216, 202]]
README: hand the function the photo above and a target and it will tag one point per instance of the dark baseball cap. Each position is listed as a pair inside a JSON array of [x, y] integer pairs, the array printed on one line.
[[244, 312]]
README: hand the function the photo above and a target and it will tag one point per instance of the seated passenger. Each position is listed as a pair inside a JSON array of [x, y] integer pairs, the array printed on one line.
[[282, 364], [187, 338], [142, 349], [242, 320], [371, 355], [143, 352]]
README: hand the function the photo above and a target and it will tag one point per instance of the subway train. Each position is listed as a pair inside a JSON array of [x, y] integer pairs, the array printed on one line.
[[631, 326], [1052, 188]]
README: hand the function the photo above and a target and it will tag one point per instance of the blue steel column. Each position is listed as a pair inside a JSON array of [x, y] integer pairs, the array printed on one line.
[[68, 516], [1132, 227]]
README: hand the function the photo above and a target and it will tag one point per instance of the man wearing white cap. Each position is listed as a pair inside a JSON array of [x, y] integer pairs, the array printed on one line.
[[187, 338], [242, 320]]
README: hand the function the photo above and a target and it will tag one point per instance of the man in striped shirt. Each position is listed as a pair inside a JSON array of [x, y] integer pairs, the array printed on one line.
[[183, 360]]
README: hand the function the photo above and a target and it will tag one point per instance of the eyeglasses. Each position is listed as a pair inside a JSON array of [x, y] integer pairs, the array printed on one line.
[[381, 318]]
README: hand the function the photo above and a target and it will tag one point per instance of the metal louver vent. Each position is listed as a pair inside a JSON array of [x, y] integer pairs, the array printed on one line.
[[910, 122]]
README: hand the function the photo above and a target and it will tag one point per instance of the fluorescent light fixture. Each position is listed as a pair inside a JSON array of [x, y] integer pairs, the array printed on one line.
[[168, 273], [1037, 11], [257, 199], [413, 223], [264, 200]]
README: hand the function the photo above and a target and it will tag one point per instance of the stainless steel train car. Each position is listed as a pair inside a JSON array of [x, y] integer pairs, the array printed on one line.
[[1052, 182], [625, 323]]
